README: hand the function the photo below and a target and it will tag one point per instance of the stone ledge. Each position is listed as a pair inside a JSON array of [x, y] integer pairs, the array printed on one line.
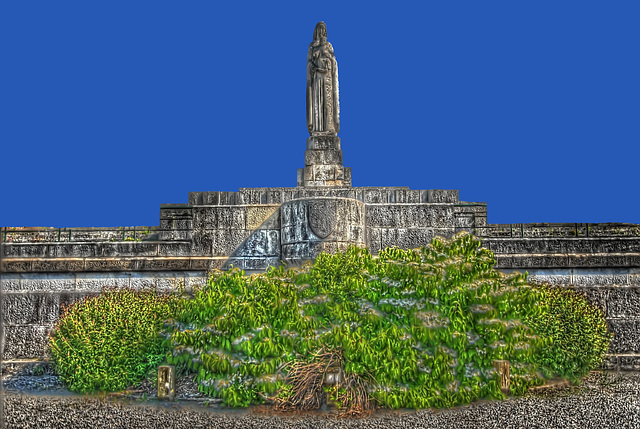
[[176, 263], [546, 260]]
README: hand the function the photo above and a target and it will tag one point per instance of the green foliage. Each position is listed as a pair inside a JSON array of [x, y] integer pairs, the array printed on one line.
[[109, 342], [424, 323], [578, 332], [421, 326]]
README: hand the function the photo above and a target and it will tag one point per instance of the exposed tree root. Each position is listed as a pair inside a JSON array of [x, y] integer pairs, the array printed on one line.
[[307, 379]]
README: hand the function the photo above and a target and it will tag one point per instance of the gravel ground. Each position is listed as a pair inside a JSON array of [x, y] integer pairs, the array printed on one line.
[[604, 400]]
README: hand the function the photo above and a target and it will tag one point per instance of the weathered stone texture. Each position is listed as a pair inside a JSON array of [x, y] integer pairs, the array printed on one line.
[[442, 195], [624, 302], [598, 260], [26, 341], [15, 250], [110, 264], [263, 217], [16, 265], [626, 338], [409, 216], [629, 363], [53, 265], [261, 243]]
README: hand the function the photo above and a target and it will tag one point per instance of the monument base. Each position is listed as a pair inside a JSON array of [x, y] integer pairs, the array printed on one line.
[[323, 164]]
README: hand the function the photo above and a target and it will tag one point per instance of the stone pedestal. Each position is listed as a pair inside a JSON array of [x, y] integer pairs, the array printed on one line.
[[315, 225], [323, 164]]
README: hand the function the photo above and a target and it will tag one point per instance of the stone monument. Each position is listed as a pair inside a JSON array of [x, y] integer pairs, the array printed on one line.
[[256, 228], [261, 227], [323, 157]]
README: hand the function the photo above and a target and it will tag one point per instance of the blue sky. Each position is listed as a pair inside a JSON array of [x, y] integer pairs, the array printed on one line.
[[109, 109]]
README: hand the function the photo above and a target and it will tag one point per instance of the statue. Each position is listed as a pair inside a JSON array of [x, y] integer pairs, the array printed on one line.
[[323, 109]]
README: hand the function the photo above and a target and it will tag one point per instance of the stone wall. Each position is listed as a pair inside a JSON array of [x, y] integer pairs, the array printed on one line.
[[44, 268]]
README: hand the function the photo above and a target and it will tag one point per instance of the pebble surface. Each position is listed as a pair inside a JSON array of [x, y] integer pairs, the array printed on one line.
[[604, 400]]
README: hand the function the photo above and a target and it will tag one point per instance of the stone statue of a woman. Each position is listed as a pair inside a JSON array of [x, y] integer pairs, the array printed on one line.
[[323, 110]]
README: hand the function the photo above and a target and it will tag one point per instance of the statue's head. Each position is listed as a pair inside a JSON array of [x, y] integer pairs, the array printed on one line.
[[320, 33]]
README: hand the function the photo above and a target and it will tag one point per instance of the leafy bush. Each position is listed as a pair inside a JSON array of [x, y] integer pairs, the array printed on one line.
[[419, 328], [578, 331], [109, 342]]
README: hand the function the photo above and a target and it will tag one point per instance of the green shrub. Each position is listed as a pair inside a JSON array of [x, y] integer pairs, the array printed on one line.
[[577, 328], [419, 327], [109, 342]]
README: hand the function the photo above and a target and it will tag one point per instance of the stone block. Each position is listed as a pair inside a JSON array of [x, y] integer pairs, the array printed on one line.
[[166, 382], [373, 236], [47, 282], [388, 237], [632, 260], [442, 195], [195, 199], [599, 260], [408, 196], [230, 217], [175, 211], [229, 198], [176, 224], [408, 216], [126, 248], [626, 338], [193, 281], [260, 243], [26, 341], [72, 250], [253, 195], [554, 279], [616, 245], [10, 282], [274, 196], [52, 265], [199, 263], [623, 302], [295, 251], [475, 208], [33, 308], [322, 157], [325, 172], [538, 261], [16, 265], [174, 249], [164, 264], [177, 235], [613, 229], [599, 278], [95, 282], [204, 218], [357, 234], [323, 143], [227, 241], [202, 243], [629, 362], [143, 282], [376, 196], [19, 250], [463, 220], [411, 238], [444, 232], [504, 261], [110, 264], [211, 198], [167, 282]]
